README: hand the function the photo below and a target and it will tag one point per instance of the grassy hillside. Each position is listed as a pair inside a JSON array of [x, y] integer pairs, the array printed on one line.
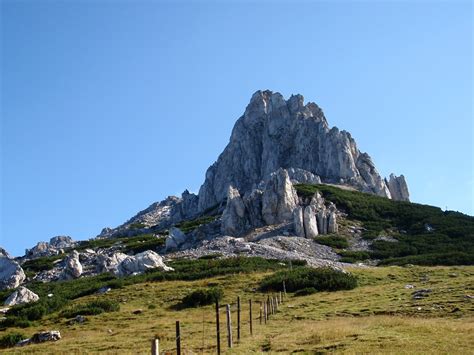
[[426, 235], [380, 315]]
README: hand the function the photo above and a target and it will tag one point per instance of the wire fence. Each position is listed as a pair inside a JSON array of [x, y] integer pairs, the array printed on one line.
[[224, 337]]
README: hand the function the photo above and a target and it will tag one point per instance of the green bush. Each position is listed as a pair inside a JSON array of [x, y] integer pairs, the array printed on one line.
[[333, 241], [202, 297], [322, 279], [189, 226], [353, 256], [91, 308], [41, 264], [305, 291], [11, 339]]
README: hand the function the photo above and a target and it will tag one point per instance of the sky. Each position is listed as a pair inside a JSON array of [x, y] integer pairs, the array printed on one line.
[[108, 106]]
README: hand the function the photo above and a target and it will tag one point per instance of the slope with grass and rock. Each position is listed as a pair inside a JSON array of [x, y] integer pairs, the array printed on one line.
[[288, 192]]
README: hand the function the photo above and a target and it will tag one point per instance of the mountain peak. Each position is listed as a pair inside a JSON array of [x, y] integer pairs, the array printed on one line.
[[276, 133]]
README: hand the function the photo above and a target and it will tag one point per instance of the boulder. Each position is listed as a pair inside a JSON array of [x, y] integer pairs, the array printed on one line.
[[73, 267], [175, 239], [139, 263], [21, 296], [41, 337], [109, 263], [310, 226], [298, 222], [11, 273], [233, 219], [279, 198]]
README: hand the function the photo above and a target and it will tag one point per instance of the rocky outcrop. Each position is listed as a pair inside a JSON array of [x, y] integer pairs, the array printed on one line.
[[300, 176], [11, 273], [398, 188], [298, 222], [233, 219], [109, 263], [72, 268], [279, 198], [62, 242], [139, 263], [158, 215], [175, 239], [56, 246], [21, 296], [4, 253], [41, 337], [276, 133], [310, 225]]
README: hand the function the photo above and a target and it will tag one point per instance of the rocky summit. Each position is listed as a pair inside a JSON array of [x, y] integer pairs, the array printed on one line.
[[276, 133]]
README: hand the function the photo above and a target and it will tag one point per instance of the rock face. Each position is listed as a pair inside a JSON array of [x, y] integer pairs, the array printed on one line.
[[398, 188], [73, 267], [158, 215], [175, 239], [139, 263], [274, 133], [233, 218], [11, 273], [21, 296], [279, 198]]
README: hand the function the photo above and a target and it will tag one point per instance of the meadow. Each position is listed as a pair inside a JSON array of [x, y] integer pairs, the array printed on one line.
[[380, 315]]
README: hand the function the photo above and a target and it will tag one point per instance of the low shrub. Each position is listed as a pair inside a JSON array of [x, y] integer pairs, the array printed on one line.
[[305, 291], [322, 279], [11, 339], [91, 308], [189, 226], [202, 297], [333, 241], [353, 256]]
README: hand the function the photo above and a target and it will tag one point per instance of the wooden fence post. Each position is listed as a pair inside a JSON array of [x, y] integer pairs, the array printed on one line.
[[218, 329], [281, 299], [250, 315], [155, 346], [238, 318], [261, 313], [284, 288], [178, 338], [229, 327], [265, 316]]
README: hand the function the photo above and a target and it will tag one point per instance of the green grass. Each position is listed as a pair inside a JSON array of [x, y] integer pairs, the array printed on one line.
[[451, 241], [184, 269], [379, 316]]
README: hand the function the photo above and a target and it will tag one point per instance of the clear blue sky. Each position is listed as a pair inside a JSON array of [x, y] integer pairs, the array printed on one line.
[[108, 106]]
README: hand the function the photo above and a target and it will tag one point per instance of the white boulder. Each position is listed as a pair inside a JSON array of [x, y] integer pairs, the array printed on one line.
[[21, 296]]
